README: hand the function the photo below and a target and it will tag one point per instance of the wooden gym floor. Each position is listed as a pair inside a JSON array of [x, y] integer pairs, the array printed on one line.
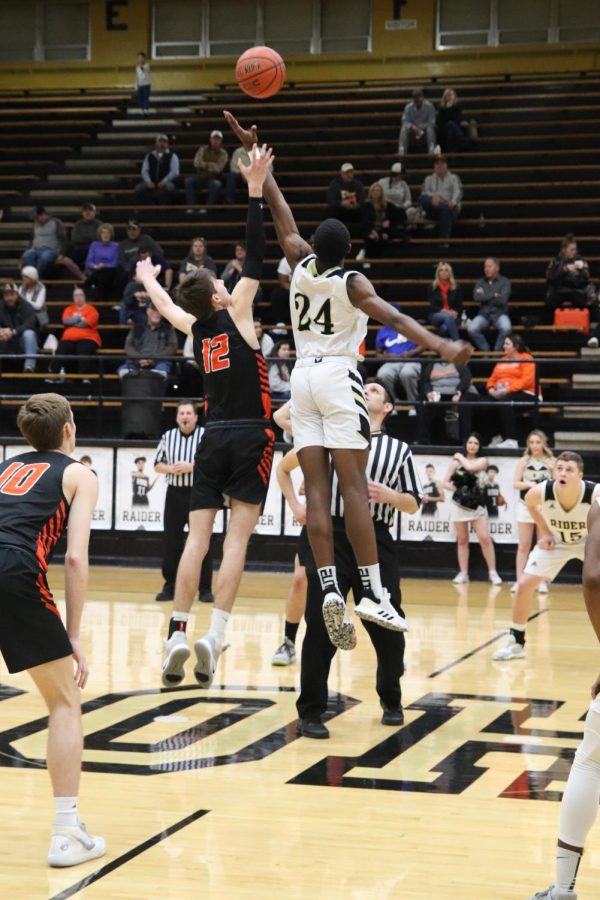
[[211, 794]]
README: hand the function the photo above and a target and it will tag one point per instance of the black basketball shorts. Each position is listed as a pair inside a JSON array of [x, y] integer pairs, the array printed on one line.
[[233, 461], [31, 629]]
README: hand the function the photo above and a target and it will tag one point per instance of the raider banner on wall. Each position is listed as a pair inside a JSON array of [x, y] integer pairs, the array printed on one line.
[[140, 492]]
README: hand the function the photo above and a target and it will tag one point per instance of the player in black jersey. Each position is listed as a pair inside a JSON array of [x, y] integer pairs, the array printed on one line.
[[39, 491], [233, 461]]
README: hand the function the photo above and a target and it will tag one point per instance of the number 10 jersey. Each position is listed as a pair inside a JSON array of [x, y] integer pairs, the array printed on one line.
[[324, 321]]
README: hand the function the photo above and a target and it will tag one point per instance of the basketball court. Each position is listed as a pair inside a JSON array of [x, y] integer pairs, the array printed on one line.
[[211, 794]]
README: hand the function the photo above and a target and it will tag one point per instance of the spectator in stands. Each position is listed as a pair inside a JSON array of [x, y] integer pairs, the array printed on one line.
[[382, 222], [196, 259], [445, 301], [48, 245], [149, 345], [265, 341], [397, 191], [83, 232], [80, 337], [442, 381], [402, 373], [210, 160], [34, 292], [280, 295], [18, 326], [568, 278], [493, 292], [102, 264], [135, 241], [232, 272], [441, 195], [279, 371], [166, 269], [134, 303], [512, 381], [234, 179], [451, 125], [418, 124], [160, 168], [345, 195], [143, 82]]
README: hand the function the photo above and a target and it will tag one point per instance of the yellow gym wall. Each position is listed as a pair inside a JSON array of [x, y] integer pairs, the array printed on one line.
[[404, 55]]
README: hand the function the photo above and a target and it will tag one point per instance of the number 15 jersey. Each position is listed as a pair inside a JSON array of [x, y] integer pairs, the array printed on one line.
[[324, 321], [568, 527]]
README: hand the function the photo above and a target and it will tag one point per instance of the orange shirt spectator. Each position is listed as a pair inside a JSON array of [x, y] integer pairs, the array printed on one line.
[[81, 320], [510, 376]]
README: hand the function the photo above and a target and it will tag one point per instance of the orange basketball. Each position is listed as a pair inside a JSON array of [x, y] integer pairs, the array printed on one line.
[[260, 72]]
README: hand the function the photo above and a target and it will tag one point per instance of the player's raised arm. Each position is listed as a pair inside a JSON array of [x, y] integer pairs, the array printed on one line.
[[147, 274], [294, 247], [362, 295]]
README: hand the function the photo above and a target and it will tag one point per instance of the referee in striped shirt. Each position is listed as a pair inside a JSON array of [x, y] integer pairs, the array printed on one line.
[[175, 459], [393, 485]]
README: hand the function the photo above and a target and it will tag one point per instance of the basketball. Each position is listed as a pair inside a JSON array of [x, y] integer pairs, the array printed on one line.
[[260, 72]]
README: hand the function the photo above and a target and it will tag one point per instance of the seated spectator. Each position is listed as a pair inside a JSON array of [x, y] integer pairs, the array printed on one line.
[[196, 259], [279, 371], [397, 191], [568, 278], [234, 178], [148, 347], [280, 294], [402, 373], [83, 232], [451, 124], [493, 292], [418, 124], [442, 381], [232, 272], [134, 304], [265, 341], [160, 168], [18, 326], [165, 276], [102, 263], [382, 222], [48, 245], [210, 160], [441, 195], [80, 337], [512, 379], [34, 292], [135, 241], [445, 302], [345, 195]]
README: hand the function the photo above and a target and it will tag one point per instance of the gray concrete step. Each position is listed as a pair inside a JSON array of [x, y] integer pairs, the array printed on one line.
[[577, 440]]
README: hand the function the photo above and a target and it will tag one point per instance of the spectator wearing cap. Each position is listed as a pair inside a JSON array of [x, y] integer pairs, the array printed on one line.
[[418, 124], [83, 232], [397, 191], [18, 326], [48, 245], [135, 241], [196, 259], [34, 292], [210, 160], [149, 346], [345, 195], [80, 337], [160, 168], [102, 263], [441, 195]]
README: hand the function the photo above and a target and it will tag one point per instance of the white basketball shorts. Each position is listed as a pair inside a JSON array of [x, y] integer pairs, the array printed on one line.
[[328, 406], [548, 563]]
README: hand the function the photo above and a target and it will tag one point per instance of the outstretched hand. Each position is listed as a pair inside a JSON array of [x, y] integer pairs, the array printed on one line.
[[146, 268], [247, 137], [457, 352], [257, 169]]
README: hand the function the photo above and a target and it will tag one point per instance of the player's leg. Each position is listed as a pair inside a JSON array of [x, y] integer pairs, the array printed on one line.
[[522, 602], [177, 651], [315, 465], [486, 543], [242, 521], [294, 610], [462, 551], [70, 844]]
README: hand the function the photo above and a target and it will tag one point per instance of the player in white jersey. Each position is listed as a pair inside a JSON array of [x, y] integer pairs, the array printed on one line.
[[559, 507], [579, 806], [330, 310]]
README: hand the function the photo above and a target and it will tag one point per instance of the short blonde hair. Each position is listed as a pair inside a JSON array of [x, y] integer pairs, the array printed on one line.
[[42, 418]]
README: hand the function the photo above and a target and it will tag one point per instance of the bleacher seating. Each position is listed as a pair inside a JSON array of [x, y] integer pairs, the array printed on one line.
[[531, 177]]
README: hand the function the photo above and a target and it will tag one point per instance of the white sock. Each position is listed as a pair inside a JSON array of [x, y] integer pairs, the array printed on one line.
[[65, 811], [328, 578], [370, 577], [567, 863], [218, 624]]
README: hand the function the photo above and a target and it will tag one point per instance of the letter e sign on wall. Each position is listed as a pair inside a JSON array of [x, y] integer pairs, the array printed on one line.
[[113, 15]]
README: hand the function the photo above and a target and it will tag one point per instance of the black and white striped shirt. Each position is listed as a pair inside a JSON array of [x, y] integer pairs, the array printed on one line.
[[391, 463], [174, 447]]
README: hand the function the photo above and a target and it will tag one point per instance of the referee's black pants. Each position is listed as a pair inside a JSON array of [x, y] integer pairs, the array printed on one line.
[[317, 649], [175, 518]]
